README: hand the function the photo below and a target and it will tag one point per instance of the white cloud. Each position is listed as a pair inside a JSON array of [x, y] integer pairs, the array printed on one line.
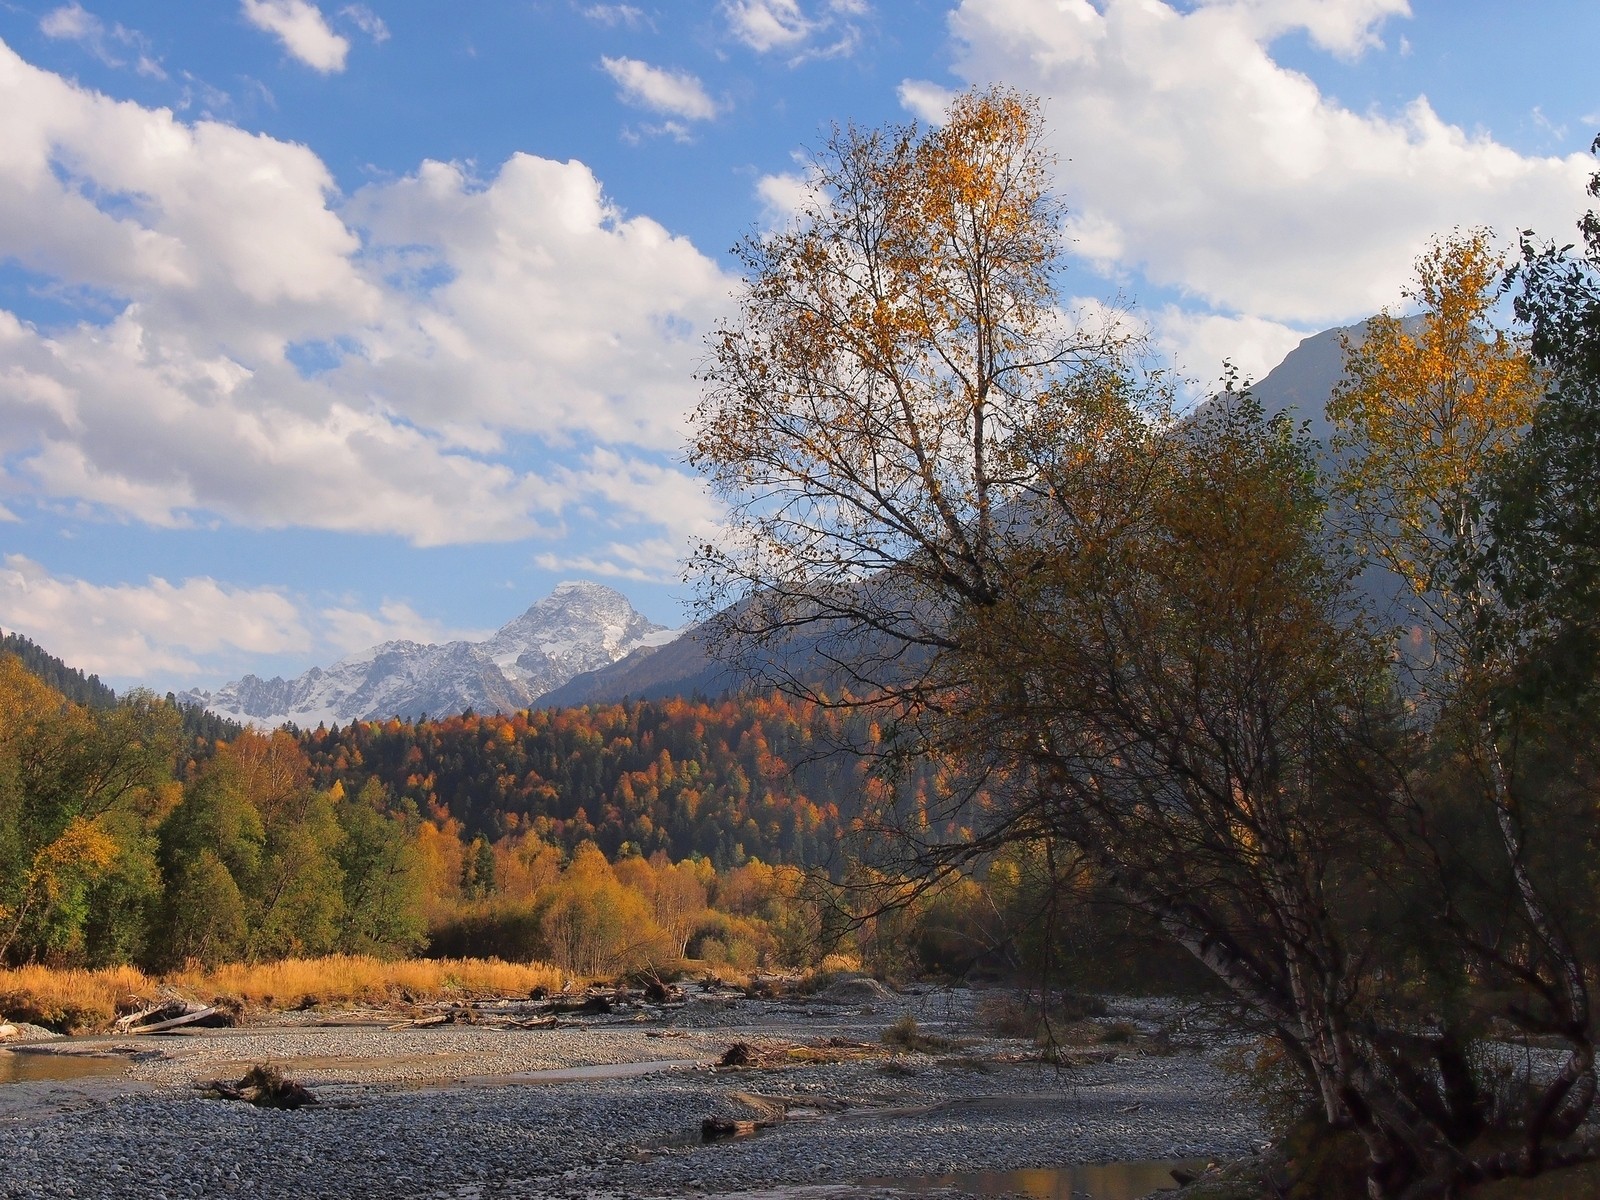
[[1199, 343], [345, 630], [302, 29], [803, 31], [783, 197], [632, 489], [652, 561], [627, 16], [925, 101], [150, 629], [364, 19], [765, 25], [670, 93], [634, 486], [1191, 156], [197, 627], [559, 315], [427, 359], [1347, 28], [72, 22]]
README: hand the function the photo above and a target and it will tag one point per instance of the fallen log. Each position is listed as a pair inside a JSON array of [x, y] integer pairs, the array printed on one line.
[[188, 1018]]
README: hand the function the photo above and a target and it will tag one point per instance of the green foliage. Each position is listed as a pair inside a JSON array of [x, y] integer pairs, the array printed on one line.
[[298, 897], [383, 882], [206, 921], [477, 872], [75, 784], [125, 904], [1542, 499], [73, 684], [746, 777]]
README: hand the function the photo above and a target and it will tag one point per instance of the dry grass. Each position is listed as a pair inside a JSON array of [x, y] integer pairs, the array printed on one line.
[[77, 1001], [355, 979], [72, 1001], [905, 1035]]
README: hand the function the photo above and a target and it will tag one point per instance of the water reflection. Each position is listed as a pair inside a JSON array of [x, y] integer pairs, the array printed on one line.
[[39, 1067]]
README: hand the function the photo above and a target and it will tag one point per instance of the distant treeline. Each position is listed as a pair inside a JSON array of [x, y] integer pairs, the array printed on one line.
[[748, 777], [86, 690]]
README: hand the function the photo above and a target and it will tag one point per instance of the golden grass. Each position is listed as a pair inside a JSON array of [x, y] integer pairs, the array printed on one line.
[[73, 1001], [356, 979], [77, 1001]]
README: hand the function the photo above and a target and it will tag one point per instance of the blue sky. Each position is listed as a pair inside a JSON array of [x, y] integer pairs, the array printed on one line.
[[326, 323]]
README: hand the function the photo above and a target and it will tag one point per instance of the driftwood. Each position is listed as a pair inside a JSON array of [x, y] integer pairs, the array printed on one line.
[[546, 1010], [265, 1087], [169, 1014], [768, 1110]]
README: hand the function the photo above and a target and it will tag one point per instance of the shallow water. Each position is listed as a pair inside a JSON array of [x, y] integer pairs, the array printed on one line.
[[1108, 1181], [50, 1067]]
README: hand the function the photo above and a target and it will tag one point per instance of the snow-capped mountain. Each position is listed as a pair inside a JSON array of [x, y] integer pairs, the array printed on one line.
[[578, 627]]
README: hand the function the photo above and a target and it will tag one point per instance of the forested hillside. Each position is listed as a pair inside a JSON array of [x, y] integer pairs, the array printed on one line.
[[69, 681], [598, 838], [747, 777]]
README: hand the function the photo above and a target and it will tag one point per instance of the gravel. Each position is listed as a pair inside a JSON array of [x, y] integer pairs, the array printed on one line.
[[392, 1124]]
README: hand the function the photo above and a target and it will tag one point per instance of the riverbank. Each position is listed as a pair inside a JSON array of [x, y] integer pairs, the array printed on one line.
[[457, 1110]]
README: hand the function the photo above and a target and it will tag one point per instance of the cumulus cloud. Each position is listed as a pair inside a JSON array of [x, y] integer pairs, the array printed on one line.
[[659, 90], [556, 314], [924, 100], [344, 630], [1346, 28], [1198, 344], [197, 627], [302, 29], [149, 629], [783, 196], [627, 489], [1191, 156], [430, 358], [800, 30]]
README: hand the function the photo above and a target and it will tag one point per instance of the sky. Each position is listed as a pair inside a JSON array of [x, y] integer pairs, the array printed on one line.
[[323, 324]]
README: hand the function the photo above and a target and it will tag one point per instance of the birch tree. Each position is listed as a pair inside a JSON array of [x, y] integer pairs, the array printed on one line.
[[1120, 631]]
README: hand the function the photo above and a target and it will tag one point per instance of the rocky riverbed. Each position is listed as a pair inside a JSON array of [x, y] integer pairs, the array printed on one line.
[[475, 1111]]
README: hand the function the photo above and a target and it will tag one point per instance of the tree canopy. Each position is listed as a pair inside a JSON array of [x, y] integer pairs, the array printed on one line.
[[1133, 638]]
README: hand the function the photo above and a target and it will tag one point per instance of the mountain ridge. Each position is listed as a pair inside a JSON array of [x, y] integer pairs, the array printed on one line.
[[1299, 386], [579, 627]]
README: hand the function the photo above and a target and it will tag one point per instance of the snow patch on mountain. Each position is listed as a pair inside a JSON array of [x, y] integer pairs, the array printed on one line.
[[578, 627]]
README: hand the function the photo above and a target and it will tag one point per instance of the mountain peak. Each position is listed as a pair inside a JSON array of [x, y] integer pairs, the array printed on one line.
[[580, 626], [587, 586]]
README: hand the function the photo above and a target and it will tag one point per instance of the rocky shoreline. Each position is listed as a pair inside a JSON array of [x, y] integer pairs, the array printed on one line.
[[450, 1111]]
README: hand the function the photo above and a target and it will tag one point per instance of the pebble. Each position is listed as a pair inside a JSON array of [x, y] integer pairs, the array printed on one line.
[[375, 1137]]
